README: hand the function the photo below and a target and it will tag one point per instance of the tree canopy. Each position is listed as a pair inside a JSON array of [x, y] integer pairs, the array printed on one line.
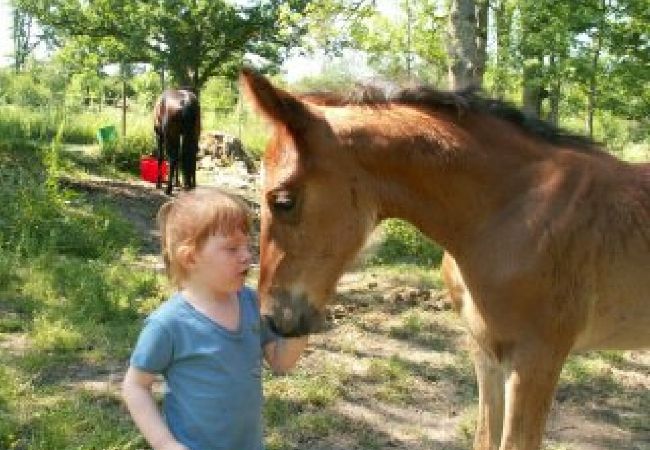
[[192, 39]]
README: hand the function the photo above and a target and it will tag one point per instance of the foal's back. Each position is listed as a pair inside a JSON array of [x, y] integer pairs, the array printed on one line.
[[619, 305], [580, 236]]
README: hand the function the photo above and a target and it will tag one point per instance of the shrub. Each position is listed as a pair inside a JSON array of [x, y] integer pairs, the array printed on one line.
[[401, 242]]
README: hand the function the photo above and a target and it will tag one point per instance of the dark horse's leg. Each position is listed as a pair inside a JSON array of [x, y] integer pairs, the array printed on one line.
[[184, 164], [160, 155], [188, 157], [178, 181], [172, 142], [195, 151], [191, 119]]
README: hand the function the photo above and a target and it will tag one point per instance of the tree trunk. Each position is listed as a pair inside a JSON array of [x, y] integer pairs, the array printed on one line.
[[591, 94], [124, 108], [462, 44], [554, 94], [483, 7], [22, 31], [195, 80], [409, 20], [532, 56], [503, 17], [532, 87]]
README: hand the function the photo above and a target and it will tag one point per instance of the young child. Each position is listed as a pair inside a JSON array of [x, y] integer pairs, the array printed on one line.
[[207, 339]]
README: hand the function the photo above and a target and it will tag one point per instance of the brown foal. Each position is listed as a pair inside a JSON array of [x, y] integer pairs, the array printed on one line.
[[547, 236]]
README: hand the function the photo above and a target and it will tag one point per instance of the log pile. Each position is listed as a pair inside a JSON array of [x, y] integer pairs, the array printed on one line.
[[218, 149]]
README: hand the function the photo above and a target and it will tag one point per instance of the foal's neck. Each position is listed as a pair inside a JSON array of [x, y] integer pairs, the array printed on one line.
[[441, 177]]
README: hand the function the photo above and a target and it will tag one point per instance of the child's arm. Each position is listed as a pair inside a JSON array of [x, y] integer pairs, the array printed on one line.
[[282, 354], [136, 390]]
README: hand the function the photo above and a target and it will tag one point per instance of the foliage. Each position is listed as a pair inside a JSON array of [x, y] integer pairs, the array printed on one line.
[[195, 40], [219, 94], [593, 54], [125, 153], [24, 88], [401, 242], [337, 76], [147, 88]]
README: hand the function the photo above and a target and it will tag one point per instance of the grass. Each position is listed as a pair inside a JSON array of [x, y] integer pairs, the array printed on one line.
[[398, 242], [581, 369], [423, 328], [20, 122], [65, 421], [298, 407], [393, 378], [554, 446], [68, 288], [467, 425], [80, 127]]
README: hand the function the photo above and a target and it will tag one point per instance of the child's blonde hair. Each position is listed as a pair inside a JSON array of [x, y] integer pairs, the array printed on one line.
[[194, 216]]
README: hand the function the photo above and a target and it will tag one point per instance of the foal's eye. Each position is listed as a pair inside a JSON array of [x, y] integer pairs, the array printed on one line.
[[282, 201]]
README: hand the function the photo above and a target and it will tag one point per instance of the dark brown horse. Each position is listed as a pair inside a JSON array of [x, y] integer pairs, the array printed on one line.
[[177, 123], [548, 237]]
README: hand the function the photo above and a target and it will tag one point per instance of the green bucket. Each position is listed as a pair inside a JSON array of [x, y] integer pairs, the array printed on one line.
[[106, 134]]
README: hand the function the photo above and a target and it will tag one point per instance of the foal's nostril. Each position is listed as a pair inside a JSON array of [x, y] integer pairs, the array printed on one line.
[[292, 316]]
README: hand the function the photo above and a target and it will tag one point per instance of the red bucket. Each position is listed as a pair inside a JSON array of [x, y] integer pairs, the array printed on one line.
[[149, 169]]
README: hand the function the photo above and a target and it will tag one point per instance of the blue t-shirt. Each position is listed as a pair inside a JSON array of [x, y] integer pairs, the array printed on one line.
[[213, 375]]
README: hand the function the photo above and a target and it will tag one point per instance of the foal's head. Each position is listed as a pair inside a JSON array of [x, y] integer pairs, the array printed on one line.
[[315, 215]]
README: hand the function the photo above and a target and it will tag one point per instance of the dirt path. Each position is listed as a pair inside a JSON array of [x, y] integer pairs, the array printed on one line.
[[136, 200]]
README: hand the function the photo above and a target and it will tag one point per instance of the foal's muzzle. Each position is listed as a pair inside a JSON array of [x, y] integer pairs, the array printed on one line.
[[291, 316]]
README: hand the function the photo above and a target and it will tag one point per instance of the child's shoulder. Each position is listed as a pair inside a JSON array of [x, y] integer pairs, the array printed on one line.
[[169, 310]]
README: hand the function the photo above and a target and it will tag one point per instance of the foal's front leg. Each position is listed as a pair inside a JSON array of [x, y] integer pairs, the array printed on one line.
[[491, 397], [530, 388]]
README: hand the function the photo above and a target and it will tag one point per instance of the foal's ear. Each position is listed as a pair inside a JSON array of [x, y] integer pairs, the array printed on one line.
[[275, 104]]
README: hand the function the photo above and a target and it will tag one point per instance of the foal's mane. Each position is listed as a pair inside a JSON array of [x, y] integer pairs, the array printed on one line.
[[460, 101]]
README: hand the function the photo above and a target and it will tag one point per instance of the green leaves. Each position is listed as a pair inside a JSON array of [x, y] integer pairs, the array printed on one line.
[[193, 39]]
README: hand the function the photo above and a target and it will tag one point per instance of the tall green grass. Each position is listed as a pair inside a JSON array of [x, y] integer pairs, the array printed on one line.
[[42, 123], [68, 285], [80, 127]]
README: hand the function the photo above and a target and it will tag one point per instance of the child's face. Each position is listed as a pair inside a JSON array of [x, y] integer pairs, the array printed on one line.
[[221, 263]]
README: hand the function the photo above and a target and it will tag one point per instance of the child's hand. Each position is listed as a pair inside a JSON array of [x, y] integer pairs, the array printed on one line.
[[282, 354], [136, 390]]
